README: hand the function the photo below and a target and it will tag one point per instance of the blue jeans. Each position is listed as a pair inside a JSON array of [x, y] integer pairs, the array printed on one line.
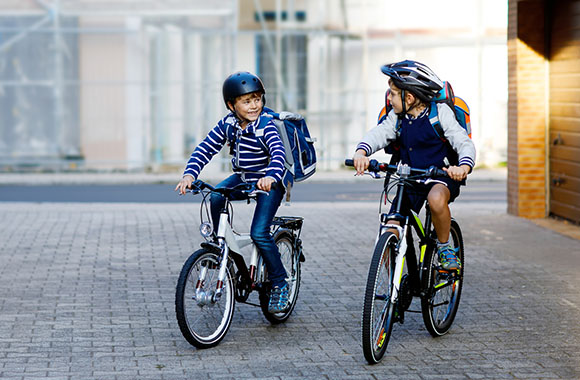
[[266, 207]]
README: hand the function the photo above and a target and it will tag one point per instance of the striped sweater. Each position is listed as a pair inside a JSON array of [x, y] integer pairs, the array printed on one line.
[[257, 152]]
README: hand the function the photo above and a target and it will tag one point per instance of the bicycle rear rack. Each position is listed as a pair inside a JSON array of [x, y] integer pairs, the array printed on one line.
[[290, 222]]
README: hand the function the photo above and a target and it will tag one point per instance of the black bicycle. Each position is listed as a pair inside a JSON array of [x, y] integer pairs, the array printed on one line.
[[214, 277], [396, 276]]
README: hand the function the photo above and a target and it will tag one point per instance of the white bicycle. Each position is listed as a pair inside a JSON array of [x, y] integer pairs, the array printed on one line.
[[214, 277]]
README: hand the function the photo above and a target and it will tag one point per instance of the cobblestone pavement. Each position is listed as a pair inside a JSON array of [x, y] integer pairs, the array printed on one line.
[[87, 292]]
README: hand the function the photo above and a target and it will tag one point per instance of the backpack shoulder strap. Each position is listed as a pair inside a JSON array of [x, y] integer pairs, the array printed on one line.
[[230, 132], [264, 119], [231, 138], [398, 124], [434, 120]]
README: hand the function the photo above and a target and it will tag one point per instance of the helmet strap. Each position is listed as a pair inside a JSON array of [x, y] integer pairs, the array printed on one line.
[[238, 117]]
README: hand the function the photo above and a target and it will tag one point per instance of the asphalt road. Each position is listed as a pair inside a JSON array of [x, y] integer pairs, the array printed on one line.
[[362, 191]]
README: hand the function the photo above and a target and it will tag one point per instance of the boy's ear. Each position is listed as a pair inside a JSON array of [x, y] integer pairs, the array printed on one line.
[[230, 106]]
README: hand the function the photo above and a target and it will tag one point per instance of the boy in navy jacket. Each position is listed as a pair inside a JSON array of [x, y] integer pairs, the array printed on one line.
[[412, 87]]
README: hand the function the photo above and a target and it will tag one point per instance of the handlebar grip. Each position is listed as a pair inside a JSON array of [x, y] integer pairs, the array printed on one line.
[[434, 171], [374, 165], [197, 185]]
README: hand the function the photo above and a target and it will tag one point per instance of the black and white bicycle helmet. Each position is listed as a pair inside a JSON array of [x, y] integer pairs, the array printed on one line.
[[415, 77], [241, 83]]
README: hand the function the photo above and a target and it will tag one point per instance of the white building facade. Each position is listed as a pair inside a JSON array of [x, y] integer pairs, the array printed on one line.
[[135, 85]]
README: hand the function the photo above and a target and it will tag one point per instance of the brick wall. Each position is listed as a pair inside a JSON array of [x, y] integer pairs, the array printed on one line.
[[527, 194]]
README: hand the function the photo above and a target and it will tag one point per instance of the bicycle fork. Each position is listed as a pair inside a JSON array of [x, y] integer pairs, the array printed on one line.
[[202, 296], [399, 260]]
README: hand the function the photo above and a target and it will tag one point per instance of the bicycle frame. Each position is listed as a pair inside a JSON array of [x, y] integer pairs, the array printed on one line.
[[405, 240], [230, 245]]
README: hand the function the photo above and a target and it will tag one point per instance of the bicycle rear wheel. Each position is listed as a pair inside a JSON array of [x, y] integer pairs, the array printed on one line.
[[203, 318], [291, 261], [378, 314], [439, 305]]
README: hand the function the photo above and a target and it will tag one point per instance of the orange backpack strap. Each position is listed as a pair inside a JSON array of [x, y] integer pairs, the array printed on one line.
[[382, 115]]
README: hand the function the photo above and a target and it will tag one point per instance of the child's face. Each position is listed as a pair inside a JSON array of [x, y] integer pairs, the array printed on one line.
[[249, 106], [395, 98]]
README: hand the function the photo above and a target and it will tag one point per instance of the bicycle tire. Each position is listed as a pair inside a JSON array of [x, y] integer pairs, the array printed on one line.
[[378, 315], [440, 304], [291, 261], [204, 321]]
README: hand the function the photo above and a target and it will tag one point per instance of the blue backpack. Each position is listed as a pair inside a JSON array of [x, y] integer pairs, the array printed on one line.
[[299, 146]]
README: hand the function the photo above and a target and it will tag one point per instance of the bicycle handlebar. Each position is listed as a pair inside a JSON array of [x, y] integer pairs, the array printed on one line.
[[375, 166], [249, 188]]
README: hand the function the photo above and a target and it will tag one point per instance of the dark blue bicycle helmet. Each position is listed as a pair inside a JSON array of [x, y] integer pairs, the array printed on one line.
[[242, 83], [415, 77]]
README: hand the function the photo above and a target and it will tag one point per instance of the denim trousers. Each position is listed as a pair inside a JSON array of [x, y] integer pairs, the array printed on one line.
[[266, 207]]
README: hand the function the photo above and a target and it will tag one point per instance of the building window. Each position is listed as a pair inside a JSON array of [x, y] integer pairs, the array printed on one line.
[[293, 62]]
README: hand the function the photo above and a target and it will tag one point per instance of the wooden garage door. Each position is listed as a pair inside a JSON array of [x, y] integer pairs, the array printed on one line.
[[565, 109]]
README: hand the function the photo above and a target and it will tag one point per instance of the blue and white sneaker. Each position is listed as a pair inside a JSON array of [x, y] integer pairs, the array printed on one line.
[[448, 257], [279, 299]]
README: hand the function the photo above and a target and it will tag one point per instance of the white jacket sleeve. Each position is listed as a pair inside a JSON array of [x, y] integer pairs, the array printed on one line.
[[456, 135], [380, 136]]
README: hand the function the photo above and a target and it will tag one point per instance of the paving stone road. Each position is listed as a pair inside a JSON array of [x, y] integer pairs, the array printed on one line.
[[87, 292]]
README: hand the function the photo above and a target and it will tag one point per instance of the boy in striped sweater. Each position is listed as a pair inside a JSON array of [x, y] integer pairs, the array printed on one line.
[[253, 161]]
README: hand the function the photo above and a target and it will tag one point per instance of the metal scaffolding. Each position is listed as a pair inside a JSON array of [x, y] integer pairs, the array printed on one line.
[[135, 85]]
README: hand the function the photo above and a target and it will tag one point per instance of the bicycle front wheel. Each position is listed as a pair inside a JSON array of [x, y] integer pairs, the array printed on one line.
[[378, 314], [439, 305], [203, 315]]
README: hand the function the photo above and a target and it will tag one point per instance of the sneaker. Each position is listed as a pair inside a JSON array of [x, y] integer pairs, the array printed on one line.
[[278, 299], [448, 257]]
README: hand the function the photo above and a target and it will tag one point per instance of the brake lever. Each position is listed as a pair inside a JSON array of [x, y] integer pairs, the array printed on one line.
[[258, 191], [375, 175]]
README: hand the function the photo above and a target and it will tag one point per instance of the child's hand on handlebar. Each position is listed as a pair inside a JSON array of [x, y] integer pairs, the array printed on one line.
[[361, 162], [184, 184], [265, 183], [458, 173]]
